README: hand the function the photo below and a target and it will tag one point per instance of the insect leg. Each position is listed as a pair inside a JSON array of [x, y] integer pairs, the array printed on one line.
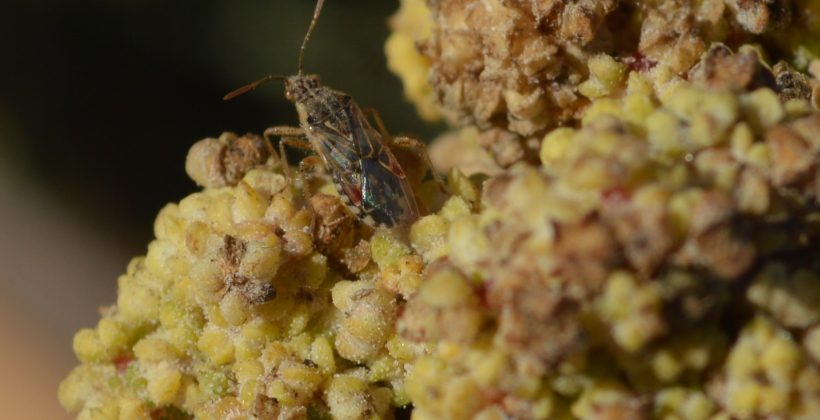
[[420, 150], [414, 145], [295, 143], [373, 114], [296, 135], [288, 136], [307, 167], [306, 172], [283, 131]]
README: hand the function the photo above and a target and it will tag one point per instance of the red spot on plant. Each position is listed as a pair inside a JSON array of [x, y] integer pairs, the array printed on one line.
[[639, 62], [122, 361], [616, 195]]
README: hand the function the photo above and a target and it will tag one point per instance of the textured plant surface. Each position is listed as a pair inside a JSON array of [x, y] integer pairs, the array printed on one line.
[[656, 257], [518, 68]]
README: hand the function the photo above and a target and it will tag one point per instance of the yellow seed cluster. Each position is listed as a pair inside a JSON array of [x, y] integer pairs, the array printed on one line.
[[595, 286], [411, 25], [767, 374], [639, 322], [233, 312]]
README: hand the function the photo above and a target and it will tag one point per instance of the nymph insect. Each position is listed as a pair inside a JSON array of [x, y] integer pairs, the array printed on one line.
[[367, 174]]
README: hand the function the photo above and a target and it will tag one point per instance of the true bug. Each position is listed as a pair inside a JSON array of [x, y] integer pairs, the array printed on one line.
[[366, 173]]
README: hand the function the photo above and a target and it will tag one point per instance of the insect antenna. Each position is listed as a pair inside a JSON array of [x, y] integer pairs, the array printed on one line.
[[251, 86], [316, 13]]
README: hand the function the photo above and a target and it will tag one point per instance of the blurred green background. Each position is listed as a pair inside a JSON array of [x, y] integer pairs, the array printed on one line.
[[99, 102]]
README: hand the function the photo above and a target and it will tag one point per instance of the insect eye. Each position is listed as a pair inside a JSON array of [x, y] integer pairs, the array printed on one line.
[[311, 120]]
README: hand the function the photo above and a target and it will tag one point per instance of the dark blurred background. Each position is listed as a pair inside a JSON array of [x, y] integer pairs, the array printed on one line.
[[99, 102]]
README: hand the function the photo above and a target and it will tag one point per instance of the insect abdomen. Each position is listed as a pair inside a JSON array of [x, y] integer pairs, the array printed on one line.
[[386, 197]]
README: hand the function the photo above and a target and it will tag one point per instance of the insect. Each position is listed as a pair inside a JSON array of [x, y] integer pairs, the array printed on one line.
[[366, 173]]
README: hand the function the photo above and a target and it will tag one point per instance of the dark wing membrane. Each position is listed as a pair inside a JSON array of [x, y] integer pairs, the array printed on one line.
[[366, 140], [341, 159], [386, 197]]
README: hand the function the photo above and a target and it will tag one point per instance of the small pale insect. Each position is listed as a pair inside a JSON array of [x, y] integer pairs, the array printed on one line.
[[366, 173]]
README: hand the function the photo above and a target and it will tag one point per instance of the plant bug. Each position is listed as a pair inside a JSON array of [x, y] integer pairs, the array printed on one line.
[[367, 175]]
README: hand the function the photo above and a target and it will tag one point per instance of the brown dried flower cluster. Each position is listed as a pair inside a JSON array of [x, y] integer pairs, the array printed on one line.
[[519, 66]]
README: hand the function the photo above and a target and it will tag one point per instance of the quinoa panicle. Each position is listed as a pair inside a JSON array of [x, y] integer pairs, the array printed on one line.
[[654, 257]]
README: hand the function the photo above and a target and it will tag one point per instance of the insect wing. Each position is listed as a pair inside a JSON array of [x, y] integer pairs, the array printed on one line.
[[386, 195], [341, 159]]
